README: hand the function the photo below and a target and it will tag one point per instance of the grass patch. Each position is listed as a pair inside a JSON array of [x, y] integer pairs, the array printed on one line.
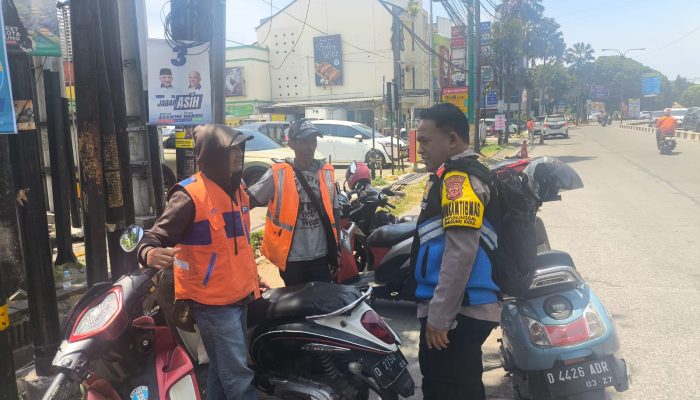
[[413, 197], [256, 239], [379, 181]]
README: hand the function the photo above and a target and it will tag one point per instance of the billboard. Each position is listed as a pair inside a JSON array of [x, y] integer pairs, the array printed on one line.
[[458, 96], [233, 82], [651, 85], [328, 60], [599, 92], [491, 99], [179, 88], [31, 27]]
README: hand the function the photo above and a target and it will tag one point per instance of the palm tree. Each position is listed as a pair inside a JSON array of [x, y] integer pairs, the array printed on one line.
[[579, 55]]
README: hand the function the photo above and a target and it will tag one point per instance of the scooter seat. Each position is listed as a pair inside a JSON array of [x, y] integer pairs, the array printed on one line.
[[389, 235], [315, 298], [553, 258]]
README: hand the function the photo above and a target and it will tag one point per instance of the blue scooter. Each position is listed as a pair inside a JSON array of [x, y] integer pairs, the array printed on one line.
[[558, 341]]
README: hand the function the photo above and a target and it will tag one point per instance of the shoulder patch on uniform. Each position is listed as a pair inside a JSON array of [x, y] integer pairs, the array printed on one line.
[[461, 207], [453, 186], [187, 181]]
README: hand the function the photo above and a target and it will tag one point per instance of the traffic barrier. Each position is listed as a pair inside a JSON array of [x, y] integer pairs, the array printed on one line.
[[686, 135]]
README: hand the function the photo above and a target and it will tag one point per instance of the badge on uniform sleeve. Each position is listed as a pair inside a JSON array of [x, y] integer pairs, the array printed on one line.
[[453, 186], [460, 204]]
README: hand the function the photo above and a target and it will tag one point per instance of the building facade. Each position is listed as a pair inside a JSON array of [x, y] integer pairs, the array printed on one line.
[[331, 59]]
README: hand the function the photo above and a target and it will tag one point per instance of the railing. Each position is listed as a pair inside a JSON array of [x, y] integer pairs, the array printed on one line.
[[688, 135]]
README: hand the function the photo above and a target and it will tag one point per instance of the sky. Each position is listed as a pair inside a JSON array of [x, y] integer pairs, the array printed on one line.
[[668, 30]]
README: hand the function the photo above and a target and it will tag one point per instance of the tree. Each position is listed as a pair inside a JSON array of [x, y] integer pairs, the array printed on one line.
[[560, 84], [622, 77], [691, 96], [578, 55], [679, 86]]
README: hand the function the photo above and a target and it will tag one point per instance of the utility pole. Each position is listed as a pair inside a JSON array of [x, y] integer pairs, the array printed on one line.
[[59, 166], [83, 15], [115, 139], [397, 47], [217, 59], [477, 84], [470, 63], [431, 82], [34, 234]]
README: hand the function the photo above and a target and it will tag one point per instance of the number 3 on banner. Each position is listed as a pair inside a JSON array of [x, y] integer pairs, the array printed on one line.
[[181, 53]]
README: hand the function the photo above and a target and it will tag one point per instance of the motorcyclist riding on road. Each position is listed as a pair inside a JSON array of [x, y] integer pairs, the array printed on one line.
[[665, 125]]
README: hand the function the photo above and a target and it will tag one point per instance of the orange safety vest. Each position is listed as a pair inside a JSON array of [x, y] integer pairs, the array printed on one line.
[[215, 265], [283, 210], [667, 125]]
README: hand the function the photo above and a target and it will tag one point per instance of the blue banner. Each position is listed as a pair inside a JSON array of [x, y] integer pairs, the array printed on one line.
[[8, 122], [651, 86]]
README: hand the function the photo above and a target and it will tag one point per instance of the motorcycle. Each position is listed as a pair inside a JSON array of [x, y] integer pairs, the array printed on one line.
[[312, 341], [558, 340], [666, 142]]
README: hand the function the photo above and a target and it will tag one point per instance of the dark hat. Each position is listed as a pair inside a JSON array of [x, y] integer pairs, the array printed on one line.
[[165, 71], [303, 128]]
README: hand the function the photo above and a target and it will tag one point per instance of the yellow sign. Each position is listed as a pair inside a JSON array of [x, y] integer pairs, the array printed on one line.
[[4, 317], [183, 141], [458, 96], [278, 117]]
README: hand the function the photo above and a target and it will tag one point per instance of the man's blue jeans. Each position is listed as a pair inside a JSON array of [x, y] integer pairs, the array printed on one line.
[[223, 330]]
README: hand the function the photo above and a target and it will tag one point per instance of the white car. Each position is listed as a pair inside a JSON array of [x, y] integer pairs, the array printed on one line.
[[346, 141], [555, 125]]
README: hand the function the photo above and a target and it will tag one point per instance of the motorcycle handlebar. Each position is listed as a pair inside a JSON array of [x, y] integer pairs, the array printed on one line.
[[53, 390]]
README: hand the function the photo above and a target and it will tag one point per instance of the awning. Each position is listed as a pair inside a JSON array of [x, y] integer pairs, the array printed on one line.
[[324, 102]]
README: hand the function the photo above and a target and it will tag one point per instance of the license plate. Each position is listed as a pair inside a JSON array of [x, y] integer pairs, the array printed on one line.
[[389, 369], [582, 377]]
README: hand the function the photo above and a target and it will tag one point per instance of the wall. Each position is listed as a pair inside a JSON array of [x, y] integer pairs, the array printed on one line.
[[365, 29]]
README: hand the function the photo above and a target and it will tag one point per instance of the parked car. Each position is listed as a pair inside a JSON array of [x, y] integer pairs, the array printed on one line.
[[645, 115], [692, 119], [654, 116], [490, 127], [346, 141], [274, 130], [679, 115], [259, 155], [539, 124], [555, 125]]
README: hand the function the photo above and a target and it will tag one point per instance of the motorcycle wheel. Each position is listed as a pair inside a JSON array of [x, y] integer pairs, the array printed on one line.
[[360, 253]]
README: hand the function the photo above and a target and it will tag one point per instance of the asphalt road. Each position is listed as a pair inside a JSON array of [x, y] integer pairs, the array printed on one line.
[[633, 231]]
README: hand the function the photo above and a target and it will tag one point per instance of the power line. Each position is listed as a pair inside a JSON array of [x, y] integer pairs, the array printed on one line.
[[674, 41], [308, 7], [325, 33], [270, 28]]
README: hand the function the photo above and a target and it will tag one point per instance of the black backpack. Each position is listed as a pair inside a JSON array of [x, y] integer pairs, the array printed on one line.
[[511, 211]]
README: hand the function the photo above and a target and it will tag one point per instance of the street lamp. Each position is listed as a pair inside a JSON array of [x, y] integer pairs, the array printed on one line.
[[622, 55]]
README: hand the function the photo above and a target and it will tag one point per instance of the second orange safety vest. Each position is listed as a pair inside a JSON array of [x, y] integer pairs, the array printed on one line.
[[283, 210]]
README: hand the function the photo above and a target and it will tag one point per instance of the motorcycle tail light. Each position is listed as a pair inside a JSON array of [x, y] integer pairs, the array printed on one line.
[[537, 331], [99, 316], [377, 327], [595, 325], [565, 335]]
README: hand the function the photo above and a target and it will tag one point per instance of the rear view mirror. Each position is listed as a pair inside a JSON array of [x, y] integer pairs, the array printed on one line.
[[358, 137], [130, 238], [353, 167]]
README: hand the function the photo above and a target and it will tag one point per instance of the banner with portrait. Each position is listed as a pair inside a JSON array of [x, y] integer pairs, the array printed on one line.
[[179, 84], [31, 27]]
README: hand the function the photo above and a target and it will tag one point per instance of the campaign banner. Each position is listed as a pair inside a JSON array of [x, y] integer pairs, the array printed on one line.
[[8, 121], [179, 88], [651, 85], [486, 73], [485, 33], [31, 27], [233, 83], [458, 96], [328, 60]]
